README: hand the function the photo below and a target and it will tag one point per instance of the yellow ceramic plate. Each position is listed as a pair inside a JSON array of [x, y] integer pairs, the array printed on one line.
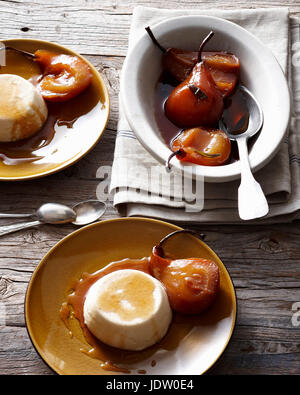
[[192, 344], [82, 121]]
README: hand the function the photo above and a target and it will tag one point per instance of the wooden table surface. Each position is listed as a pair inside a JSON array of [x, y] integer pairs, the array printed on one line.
[[264, 261]]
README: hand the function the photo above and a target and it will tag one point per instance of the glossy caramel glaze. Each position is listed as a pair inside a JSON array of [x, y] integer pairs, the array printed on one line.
[[192, 284], [196, 101], [203, 146], [236, 115], [223, 66], [137, 291], [64, 76]]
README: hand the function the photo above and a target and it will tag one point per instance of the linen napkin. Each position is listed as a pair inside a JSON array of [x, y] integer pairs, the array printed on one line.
[[135, 196]]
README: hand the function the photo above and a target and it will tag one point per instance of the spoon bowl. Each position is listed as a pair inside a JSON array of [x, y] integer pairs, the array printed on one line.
[[256, 118], [252, 202], [88, 211], [54, 213]]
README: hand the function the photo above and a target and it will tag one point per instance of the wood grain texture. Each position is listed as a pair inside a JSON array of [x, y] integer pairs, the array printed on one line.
[[264, 261], [95, 26]]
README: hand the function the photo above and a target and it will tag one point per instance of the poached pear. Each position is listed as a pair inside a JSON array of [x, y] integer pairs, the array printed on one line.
[[223, 66], [197, 100], [192, 284], [202, 146]]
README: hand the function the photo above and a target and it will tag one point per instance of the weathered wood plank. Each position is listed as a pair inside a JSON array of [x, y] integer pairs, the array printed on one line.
[[95, 27]]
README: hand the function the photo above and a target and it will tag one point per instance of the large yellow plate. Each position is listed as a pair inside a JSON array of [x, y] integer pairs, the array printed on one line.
[[69, 144], [192, 345]]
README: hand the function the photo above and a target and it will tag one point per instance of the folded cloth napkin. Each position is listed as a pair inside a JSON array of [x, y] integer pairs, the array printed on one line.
[[134, 195]]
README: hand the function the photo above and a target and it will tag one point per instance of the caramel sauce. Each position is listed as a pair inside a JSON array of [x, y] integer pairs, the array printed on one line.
[[23, 151], [236, 119], [136, 292], [60, 115], [68, 124], [112, 368], [65, 314], [122, 361], [235, 115], [164, 87]]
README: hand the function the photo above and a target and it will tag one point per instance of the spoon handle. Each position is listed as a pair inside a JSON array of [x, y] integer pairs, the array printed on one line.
[[5, 230], [8, 215], [252, 202]]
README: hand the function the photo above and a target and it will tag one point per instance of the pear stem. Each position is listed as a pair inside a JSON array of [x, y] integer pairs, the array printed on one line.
[[149, 31], [159, 248], [25, 53], [178, 152], [207, 38], [182, 153]]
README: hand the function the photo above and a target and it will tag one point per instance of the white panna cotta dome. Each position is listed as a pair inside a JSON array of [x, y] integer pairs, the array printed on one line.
[[23, 110], [128, 309]]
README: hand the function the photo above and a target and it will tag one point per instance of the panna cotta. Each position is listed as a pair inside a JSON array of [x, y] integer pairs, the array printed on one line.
[[23, 110], [127, 309]]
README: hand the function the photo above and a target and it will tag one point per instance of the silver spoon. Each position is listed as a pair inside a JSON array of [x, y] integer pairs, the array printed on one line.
[[252, 202], [53, 213]]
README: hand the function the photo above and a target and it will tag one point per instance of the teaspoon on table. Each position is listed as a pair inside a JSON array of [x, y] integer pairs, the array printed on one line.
[[54, 213], [252, 202]]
